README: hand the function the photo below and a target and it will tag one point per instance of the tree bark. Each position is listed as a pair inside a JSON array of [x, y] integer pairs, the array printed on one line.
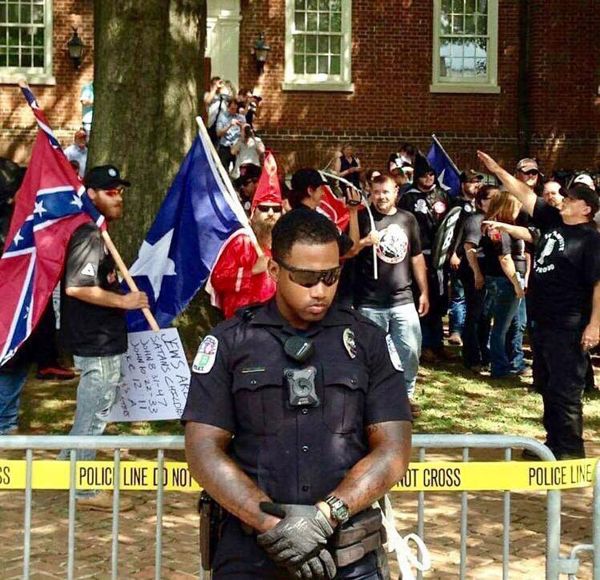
[[149, 56]]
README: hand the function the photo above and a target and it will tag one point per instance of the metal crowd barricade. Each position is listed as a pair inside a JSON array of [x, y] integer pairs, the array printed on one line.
[[555, 565]]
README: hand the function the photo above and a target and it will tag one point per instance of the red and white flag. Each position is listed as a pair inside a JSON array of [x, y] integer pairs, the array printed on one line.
[[49, 206]]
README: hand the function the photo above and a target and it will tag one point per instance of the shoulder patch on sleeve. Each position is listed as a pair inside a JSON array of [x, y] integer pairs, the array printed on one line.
[[206, 355], [89, 270], [394, 356]]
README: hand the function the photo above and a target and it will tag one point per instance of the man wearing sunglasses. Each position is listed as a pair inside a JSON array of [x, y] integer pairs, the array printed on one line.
[[528, 172], [92, 318], [239, 277], [297, 420]]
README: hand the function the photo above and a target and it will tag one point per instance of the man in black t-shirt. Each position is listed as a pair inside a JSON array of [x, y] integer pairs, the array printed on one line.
[[388, 300], [565, 304], [93, 319]]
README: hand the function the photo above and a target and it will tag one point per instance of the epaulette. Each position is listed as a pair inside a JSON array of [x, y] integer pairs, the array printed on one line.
[[247, 313]]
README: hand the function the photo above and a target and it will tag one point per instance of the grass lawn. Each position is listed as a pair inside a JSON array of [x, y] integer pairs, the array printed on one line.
[[454, 400]]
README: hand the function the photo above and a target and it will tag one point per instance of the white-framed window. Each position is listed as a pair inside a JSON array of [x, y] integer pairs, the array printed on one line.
[[26, 41], [318, 45], [465, 46]]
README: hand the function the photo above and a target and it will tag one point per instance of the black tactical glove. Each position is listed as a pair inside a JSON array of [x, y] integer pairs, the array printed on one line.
[[316, 568], [297, 541]]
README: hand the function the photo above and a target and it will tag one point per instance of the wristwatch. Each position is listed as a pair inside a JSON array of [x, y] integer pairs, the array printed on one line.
[[339, 510]]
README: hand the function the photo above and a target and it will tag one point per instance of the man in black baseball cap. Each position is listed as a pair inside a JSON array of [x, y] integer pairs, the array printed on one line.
[[306, 188], [564, 300], [104, 177], [93, 326]]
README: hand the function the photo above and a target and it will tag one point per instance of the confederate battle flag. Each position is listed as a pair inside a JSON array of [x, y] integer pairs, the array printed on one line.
[[50, 205]]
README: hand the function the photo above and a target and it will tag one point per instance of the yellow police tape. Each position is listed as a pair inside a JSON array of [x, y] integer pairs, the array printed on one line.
[[433, 476]]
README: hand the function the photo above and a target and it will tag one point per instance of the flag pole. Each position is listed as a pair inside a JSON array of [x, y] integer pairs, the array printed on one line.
[[127, 276], [370, 214], [437, 142], [232, 197]]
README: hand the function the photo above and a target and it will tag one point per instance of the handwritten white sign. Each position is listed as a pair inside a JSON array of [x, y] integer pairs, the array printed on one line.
[[156, 378]]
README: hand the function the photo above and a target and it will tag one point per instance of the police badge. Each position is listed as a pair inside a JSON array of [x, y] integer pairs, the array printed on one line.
[[349, 342]]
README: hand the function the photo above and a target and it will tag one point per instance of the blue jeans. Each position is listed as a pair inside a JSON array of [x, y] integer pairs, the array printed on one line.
[[458, 306], [514, 339], [11, 386], [96, 393], [503, 305], [402, 323]]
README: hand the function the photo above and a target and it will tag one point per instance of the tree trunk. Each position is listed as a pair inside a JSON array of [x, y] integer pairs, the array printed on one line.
[[149, 56]]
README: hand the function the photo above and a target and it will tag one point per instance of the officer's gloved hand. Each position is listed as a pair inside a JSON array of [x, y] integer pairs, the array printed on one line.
[[316, 568], [297, 541]]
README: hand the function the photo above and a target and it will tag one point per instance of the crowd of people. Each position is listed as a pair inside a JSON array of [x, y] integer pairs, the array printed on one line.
[[491, 277]]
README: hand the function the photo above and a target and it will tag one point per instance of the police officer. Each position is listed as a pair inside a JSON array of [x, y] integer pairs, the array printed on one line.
[[297, 420]]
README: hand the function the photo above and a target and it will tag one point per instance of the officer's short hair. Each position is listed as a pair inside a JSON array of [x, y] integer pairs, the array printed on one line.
[[301, 226]]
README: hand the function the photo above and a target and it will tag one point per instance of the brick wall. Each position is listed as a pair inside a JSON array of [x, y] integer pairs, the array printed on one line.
[[391, 71], [61, 101]]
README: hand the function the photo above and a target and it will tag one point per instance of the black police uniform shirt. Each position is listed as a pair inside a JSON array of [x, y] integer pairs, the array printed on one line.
[[565, 269], [496, 244], [296, 455], [399, 242], [430, 209], [88, 329]]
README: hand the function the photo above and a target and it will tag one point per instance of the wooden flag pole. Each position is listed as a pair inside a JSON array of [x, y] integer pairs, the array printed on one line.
[[232, 198], [127, 276]]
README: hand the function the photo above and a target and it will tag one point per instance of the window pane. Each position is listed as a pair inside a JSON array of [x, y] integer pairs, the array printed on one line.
[[38, 57], [311, 65], [299, 21], [445, 24], [446, 6], [3, 35], [469, 24], [311, 21], [13, 15], [299, 44], [26, 60], [481, 67], [323, 44], [311, 44], [27, 36], [25, 13], [458, 24], [324, 21], [482, 25], [299, 64], [458, 6], [336, 22], [3, 56], [38, 14], [13, 36], [335, 65], [312, 4], [324, 5], [335, 5], [336, 45], [38, 38], [299, 5], [13, 57], [469, 49], [323, 65], [482, 6], [470, 6]]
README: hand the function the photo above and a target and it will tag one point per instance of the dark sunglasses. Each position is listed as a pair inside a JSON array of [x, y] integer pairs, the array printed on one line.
[[530, 172], [310, 278], [114, 191], [266, 208]]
